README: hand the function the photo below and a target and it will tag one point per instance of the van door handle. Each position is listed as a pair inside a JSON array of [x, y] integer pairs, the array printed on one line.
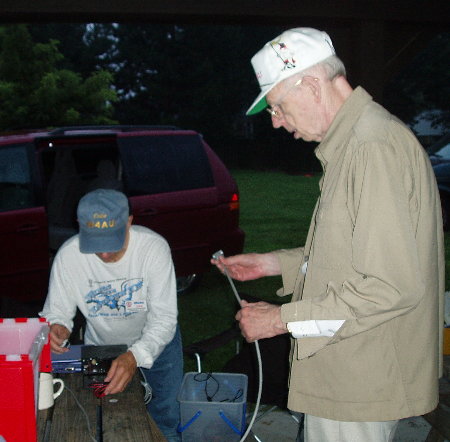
[[27, 228]]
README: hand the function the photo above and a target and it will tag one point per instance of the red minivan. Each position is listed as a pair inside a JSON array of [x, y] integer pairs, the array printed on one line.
[[176, 185]]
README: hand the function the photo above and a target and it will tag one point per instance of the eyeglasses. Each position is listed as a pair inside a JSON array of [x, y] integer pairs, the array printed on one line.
[[275, 110]]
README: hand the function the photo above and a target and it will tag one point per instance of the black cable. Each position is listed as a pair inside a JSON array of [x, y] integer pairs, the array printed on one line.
[[205, 377], [209, 397], [237, 396]]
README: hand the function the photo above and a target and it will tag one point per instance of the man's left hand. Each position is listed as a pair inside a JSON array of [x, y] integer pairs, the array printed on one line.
[[121, 372], [260, 320]]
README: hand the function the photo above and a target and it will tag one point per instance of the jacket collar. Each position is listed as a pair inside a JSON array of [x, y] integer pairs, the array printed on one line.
[[343, 122]]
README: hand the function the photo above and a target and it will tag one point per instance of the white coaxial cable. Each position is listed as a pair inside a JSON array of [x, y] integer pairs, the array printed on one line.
[[216, 256]]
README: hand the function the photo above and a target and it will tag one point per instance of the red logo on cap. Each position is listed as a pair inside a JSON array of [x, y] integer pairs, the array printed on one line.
[[283, 53]]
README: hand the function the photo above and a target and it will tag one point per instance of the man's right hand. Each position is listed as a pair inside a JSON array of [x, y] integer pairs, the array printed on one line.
[[58, 334], [249, 266]]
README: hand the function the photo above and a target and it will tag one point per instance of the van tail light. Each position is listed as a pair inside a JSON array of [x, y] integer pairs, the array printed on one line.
[[234, 203]]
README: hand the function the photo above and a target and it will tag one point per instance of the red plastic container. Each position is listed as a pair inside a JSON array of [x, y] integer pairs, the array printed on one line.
[[24, 352]]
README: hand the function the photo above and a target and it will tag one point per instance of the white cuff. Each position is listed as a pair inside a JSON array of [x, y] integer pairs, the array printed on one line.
[[314, 328]]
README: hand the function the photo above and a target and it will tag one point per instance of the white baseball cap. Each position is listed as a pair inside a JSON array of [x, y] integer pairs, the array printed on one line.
[[293, 51]]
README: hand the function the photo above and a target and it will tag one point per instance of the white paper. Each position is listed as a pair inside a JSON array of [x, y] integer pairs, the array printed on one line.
[[314, 328]]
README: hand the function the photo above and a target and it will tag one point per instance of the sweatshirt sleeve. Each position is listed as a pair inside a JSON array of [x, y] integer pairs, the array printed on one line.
[[162, 312], [60, 305]]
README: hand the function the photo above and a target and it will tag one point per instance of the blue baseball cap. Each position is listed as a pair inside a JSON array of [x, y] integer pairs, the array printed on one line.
[[102, 217]]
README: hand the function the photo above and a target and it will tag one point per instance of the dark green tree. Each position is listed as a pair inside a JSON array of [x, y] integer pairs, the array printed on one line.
[[193, 76], [423, 85], [200, 77], [35, 92], [79, 55]]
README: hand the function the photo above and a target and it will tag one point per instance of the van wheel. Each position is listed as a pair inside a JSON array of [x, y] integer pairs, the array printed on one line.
[[188, 283]]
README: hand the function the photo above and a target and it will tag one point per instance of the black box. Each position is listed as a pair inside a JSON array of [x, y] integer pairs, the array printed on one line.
[[96, 361]]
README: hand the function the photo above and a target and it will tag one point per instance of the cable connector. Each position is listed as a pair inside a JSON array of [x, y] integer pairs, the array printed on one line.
[[218, 254]]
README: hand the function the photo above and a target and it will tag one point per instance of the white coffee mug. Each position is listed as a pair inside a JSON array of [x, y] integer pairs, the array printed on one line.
[[47, 393]]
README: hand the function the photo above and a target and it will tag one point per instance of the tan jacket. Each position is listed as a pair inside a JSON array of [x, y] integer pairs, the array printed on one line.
[[376, 259]]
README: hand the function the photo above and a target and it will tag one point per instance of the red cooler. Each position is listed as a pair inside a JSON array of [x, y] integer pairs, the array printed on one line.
[[24, 352]]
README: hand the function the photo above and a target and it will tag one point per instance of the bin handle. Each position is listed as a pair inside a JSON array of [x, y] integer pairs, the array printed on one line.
[[181, 428], [229, 423]]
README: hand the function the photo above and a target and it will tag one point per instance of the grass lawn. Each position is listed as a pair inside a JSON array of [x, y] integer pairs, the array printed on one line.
[[276, 209]]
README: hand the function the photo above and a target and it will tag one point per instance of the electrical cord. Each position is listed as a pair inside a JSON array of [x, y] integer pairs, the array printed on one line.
[[98, 390], [84, 412], [258, 353], [206, 377], [148, 392]]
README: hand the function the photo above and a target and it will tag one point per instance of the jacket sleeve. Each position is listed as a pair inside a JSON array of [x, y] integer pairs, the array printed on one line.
[[290, 261], [162, 312], [387, 280]]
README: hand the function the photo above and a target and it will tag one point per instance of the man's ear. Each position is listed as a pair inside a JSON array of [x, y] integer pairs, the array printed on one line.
[[313, 84]]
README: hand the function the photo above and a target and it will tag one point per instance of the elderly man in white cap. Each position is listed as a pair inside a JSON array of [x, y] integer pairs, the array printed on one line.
[[367, 287], [121, 277]]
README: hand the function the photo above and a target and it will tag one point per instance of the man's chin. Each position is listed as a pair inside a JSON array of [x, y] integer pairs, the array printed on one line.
[[307, 137]]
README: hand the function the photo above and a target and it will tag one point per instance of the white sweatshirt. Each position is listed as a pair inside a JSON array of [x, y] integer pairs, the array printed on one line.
[[132, 301]]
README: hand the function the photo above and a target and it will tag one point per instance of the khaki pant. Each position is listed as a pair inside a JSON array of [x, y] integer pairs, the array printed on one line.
[[318, 429]]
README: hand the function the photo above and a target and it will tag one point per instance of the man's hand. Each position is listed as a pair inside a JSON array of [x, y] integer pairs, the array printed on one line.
[[58, 334], [249, 266], [121, 372], [259, 320]]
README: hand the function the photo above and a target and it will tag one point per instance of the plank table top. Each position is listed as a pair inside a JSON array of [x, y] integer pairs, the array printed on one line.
[[124, 416]]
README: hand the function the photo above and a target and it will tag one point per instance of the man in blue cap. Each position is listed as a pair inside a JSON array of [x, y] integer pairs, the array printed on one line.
[[121, 277]]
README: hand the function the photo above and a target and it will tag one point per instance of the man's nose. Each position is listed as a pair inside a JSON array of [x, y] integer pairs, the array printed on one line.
[[277, 122]]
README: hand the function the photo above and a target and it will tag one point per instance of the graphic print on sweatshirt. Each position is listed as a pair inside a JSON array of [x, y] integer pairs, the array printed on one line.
[[116, 298]]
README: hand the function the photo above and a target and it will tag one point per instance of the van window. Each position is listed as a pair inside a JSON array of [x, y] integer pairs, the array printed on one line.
[[162, 163], [16, 190], [71, 170], [84, 156]]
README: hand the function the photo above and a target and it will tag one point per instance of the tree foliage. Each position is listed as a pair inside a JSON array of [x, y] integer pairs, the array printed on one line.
[[423, 87], [192, 76], [35, 92]]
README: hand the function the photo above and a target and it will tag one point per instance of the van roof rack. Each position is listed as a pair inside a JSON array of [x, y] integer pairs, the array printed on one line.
[[110, 128]]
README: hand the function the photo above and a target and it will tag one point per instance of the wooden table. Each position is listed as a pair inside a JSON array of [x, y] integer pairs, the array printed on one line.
[[125, 417]]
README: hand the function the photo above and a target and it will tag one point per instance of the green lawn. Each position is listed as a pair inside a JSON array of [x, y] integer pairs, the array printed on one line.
[[276, 209], [275, 212]]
